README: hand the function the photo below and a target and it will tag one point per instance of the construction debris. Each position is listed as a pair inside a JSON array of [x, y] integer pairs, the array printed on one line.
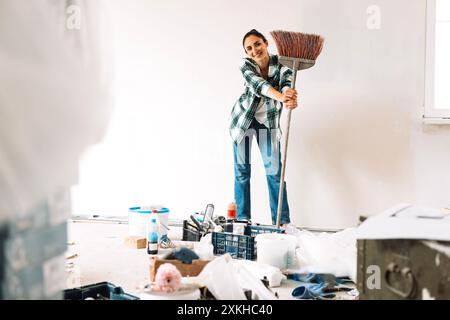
[[72, 256], [135, 242]]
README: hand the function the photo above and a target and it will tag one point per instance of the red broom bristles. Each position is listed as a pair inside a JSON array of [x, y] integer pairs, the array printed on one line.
[[298, 45]]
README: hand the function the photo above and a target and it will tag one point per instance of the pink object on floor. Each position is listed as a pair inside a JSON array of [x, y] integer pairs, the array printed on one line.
[[168, 278]]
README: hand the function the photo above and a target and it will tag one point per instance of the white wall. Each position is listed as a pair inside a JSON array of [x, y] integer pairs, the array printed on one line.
[[357, 144]]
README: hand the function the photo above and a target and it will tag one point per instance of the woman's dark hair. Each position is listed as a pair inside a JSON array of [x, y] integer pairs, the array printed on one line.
[[253, 32]]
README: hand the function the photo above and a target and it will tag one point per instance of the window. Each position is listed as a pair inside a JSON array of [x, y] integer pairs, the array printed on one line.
[[437, 90]]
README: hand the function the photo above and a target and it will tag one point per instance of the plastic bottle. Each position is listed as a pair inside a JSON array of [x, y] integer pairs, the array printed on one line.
[[232, 211], [152, 233]]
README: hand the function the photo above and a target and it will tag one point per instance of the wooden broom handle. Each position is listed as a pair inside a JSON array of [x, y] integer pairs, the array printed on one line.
[[284, 154]]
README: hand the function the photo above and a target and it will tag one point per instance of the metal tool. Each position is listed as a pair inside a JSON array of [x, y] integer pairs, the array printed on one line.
[[199, 226], [192, 226], [216, 227], [206, 226], [209, 211]]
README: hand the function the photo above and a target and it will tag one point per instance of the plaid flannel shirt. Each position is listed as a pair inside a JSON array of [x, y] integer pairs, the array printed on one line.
[[279, 77]]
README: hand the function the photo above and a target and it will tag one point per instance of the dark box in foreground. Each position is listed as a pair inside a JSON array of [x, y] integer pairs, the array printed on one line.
[[403, 269]]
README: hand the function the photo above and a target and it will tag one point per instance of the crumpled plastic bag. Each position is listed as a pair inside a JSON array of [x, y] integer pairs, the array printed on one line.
[[204, 248], [334, 253], [260, 270], [250, 281], [227, 280], [221, 279]]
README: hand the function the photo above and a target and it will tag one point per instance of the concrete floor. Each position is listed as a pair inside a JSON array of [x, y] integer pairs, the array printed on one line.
[[102, 256]]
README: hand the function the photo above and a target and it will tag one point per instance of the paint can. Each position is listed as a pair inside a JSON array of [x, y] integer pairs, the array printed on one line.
[[276, 249], [239, 228]]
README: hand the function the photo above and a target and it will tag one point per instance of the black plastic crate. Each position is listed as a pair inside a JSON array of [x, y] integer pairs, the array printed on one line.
[[238, 246], [254, 230], [98, 291], [190, 234]]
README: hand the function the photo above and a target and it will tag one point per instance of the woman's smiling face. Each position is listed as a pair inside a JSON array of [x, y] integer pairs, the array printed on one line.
[[256, 48]]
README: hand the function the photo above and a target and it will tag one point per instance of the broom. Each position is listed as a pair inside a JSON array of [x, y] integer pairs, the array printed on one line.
[[297, 51]]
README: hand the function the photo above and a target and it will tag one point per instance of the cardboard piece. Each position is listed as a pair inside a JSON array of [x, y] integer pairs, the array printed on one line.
[[135, 242], [186, 270]]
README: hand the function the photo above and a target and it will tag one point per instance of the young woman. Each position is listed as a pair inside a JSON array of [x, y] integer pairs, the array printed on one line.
[[257, 113]]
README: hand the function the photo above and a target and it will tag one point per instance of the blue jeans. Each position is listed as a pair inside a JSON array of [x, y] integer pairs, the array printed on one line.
[[271, 155]]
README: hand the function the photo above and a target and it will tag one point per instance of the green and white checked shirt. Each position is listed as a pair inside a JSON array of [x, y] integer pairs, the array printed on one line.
[[243, 113]]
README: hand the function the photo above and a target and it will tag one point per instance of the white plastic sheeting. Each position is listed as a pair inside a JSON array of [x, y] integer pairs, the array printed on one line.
[[221, 279], [227, 280], [272, 274], [334, 253]]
